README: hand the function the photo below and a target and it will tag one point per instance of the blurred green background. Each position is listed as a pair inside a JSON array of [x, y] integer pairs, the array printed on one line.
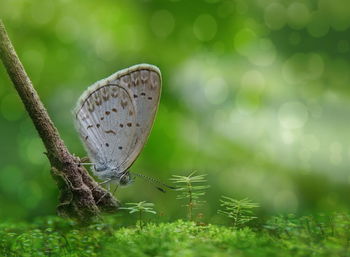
[[255, 94]]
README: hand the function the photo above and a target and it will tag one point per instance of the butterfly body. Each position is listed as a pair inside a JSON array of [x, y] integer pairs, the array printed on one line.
[[114, 117]]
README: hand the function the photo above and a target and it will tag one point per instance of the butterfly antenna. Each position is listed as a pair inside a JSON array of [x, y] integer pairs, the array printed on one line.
[[154, 181]]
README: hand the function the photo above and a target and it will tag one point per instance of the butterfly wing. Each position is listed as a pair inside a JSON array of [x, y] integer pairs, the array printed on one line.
[[114, 117], [144, 84]]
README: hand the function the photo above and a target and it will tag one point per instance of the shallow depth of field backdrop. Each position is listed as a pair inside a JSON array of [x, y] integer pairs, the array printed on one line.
[[255, 94]]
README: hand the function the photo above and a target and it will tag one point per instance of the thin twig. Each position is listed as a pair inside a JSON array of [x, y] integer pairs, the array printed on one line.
[[78, 190], [48, 133]]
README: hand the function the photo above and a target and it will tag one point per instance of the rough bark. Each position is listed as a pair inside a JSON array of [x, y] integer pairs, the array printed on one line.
[[80, 195]]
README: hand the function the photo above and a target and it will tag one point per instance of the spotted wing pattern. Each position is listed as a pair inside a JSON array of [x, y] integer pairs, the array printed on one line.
[[114, 117]]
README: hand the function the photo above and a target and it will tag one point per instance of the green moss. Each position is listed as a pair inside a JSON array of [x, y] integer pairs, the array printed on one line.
[[280, 236]]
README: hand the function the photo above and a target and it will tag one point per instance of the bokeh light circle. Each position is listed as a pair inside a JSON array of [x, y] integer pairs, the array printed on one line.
[[67, 29], [248, 97], [162, 23], [11, 107], [293, 115], [337, 12], [216, 90], [301, 67], [35, 151], [253, 79], [205, 27], [298, 15], [318, 25], [259, 51], [242, 40], [264, 53], [275, 16], [38, 15]]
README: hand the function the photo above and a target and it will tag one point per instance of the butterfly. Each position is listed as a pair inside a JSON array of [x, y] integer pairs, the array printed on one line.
[[114, 117]]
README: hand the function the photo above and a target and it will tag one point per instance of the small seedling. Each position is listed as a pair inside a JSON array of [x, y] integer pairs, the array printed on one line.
[[239, 211], [190, 190], [140, 208]]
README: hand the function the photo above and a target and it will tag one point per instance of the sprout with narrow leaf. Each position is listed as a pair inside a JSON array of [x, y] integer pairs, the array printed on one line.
[[239, 211], [191, 187], [140, 208]]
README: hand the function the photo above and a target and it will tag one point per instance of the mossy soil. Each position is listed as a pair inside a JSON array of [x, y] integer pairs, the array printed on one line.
[[322, 235]]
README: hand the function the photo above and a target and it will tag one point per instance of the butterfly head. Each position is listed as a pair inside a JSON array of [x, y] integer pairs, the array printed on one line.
[[124, 178]]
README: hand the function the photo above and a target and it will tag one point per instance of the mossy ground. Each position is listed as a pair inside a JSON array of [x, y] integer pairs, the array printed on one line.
[[325, 235]]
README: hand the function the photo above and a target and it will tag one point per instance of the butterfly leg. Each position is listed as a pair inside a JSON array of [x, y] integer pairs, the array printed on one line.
[[108, 188], [107, 193], [115, 190], [84, 161], [101, 197], [105, 182]]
